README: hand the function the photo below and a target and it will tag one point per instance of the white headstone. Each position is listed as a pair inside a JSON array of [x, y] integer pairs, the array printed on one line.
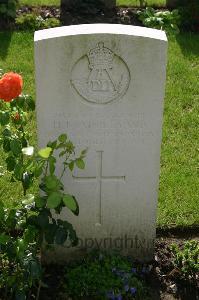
[[104, 85]]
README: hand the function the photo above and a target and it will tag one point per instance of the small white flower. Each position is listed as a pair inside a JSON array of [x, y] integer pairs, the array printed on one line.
[[28, 151]]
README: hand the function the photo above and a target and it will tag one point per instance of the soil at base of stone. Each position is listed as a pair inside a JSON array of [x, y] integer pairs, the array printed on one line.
[[164, 280]]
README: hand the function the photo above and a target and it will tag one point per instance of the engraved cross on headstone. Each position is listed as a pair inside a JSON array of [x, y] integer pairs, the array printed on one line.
[[99, 178]]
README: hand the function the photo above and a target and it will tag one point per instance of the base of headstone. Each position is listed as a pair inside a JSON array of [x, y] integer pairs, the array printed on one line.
[[64, 254]]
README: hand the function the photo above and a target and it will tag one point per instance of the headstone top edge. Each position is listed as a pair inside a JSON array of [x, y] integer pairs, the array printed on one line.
[[86, 29]]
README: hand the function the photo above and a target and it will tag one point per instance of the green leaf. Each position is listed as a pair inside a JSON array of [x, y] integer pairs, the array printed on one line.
[[83, 153], [6, 132], [62, 138], [28, 151], [29, 165], [80, 163], [15, 147], [52, 182], [11, 162], [4, 118], [62, 153], [38, 169], [52, 145], [6, 145], [70, 147], [4, 239], [45, 152], [2, 212], [30, 234], [54, 200], [30, 102], [61, 145], [11, 219], [18, 171], [60, 236], [52, 161], [43, 219], [40, 202], [71, 165], [28, 199], [20, 247], [71, 203]]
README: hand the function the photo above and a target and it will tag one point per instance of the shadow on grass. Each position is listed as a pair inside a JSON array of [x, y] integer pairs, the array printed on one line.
[[189, 43], [5, 39]]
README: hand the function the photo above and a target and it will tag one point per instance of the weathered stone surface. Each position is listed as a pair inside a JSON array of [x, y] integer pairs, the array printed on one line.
[[104, 86]]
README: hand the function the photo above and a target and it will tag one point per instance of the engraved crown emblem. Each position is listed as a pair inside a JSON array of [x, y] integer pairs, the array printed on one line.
[[100, 76], [100, 57]]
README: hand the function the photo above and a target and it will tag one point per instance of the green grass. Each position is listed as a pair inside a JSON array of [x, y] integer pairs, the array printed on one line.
[[16, 53], [136, 2], [178, 196], [119, 2], [40, 2], [179, 181]]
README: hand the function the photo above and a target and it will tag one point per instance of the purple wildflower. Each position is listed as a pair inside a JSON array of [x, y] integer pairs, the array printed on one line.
[[119, 297], [110, 295], [126, 288], [119, 273], [144, 270], [134, 270], [133, 290]]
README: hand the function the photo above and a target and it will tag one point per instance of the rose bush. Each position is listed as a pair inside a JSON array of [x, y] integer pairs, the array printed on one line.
[[29, 226], [10, 86]]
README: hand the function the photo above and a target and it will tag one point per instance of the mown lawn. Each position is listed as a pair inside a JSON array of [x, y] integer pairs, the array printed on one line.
[[16, 53], [119, 2], [179, 181], [137, 3]]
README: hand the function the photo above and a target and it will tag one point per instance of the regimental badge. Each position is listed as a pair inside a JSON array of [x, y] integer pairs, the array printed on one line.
[[100, 76]]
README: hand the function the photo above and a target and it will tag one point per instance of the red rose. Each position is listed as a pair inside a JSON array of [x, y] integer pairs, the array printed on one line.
[[10, 86]]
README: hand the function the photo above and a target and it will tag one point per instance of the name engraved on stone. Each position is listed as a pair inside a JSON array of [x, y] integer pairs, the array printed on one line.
[[99, 178], [100, 131], [100, 76]]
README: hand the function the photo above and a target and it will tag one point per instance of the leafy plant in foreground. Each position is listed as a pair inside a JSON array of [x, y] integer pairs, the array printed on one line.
[[105, 276], [164, 20], [33, 223], [187, 259], [34, 22]]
